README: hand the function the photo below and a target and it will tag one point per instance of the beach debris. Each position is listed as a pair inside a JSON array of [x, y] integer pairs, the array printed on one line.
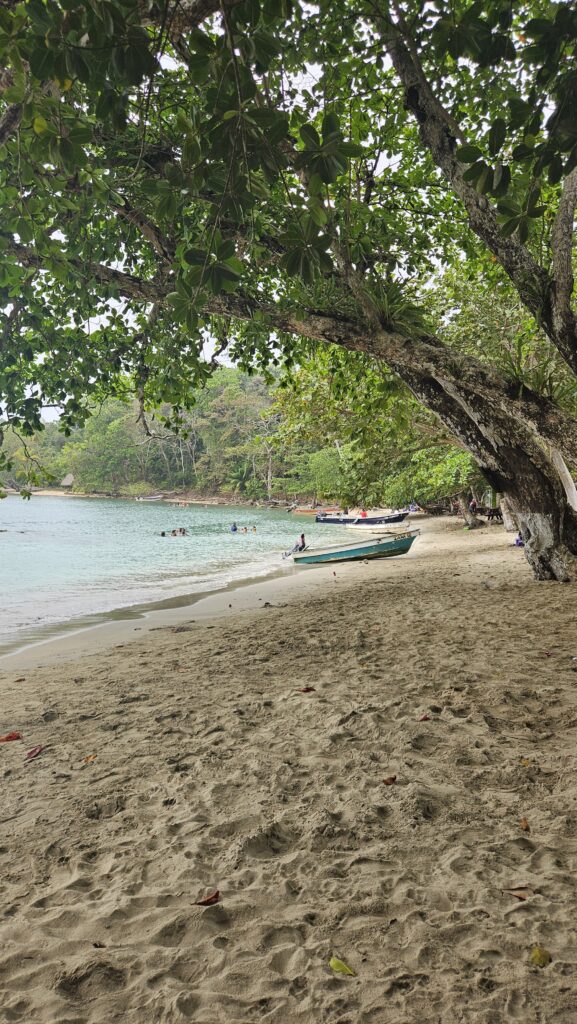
[[390, 780], [524, 892], [99, 945], [547, 654], [425, 718], [540, 956], [307, 689], [210, 900], [10, 736], [21, 679], [340, 967], [169, 802], [525, 762], [89, 758], [33, 753], [524, 825]]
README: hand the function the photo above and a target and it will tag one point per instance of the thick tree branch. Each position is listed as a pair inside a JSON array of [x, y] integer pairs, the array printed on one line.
[[439, 136], [562, 248], [424, 355]]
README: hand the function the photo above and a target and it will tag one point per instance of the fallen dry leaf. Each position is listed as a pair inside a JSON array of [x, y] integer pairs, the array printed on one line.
[[425, 718], [525, 762], [33, 753], [390, 780], [307, 689], [90, 758], [210, 900], [10, 736], [21, 679], [522, 893], [524, 824]]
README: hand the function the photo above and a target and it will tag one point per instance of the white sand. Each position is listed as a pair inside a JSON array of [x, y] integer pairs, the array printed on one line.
[[214, 771]]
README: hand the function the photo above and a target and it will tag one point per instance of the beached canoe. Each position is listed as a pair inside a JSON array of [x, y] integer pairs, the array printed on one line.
[[152, 497], [380, 520], [387, 546]]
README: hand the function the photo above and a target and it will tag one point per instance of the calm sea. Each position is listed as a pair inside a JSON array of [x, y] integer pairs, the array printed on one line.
[[71, 558]]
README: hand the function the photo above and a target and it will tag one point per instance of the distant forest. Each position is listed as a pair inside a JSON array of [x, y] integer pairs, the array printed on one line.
[[248, 439]]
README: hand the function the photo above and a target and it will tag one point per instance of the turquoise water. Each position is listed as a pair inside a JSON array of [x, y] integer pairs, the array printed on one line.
[[67, 558]]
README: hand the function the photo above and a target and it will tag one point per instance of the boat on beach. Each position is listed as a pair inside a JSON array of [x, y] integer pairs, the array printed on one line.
[[372, 520], [152, 497], [385, 546], [312, 511]]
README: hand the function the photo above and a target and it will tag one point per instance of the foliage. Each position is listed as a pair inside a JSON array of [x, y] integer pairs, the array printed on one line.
[[156, 157]]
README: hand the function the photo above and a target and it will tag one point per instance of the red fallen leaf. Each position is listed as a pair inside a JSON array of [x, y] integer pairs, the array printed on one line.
[[524, 824], [209, 900], [33, 753], [547, 654], [425, 718], [307, 689], [522, 893], [10, 736], [390, 781]]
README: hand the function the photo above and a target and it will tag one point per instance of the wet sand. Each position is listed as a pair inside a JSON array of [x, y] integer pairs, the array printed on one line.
[[448, 669]]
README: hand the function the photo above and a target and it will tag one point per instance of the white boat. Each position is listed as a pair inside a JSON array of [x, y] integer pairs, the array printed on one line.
[[152, 497], [373, 529]]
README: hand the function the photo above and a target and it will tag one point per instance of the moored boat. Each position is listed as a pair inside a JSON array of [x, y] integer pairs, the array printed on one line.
[[312, 511], [375, 520], [385, 546], [152, 497]]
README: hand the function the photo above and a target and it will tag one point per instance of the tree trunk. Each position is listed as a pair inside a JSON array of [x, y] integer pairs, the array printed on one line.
[[470, 518], [508, 518], [515, 465], [566, 478]]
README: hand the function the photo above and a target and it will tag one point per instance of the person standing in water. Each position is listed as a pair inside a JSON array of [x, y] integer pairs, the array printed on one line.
[[234, 528]]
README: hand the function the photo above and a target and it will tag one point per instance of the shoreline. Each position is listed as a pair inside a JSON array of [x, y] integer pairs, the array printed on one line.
[[95, 632]]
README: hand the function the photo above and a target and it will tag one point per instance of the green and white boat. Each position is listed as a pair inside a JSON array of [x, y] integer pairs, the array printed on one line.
[[385, 546]]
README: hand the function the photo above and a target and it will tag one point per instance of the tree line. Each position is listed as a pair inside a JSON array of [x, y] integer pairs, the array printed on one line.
[[245, 439]]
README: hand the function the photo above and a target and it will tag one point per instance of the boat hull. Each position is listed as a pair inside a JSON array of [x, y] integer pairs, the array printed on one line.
[[378, 547], [396, 517]]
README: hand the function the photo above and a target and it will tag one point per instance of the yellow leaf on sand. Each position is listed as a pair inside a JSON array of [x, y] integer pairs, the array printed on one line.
[[540, 956], [341, 968], [525, 762]]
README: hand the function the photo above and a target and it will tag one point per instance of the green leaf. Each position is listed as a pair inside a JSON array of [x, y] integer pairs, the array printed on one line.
[[310, 136], [497, 134], [468, 154], [330, 124], [39, 124], [340, 967]]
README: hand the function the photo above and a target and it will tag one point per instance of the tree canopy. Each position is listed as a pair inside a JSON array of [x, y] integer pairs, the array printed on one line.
[[183, 178]]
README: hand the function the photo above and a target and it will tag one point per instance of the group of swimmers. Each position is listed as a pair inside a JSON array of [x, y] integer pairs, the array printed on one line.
[[243, 529], [181, 532]]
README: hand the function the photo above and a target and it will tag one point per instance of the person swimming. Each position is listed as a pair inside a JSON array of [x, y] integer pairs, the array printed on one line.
[[234, 528]]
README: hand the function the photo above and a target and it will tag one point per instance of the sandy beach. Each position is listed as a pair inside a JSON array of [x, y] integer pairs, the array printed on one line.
[[245, 749]]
